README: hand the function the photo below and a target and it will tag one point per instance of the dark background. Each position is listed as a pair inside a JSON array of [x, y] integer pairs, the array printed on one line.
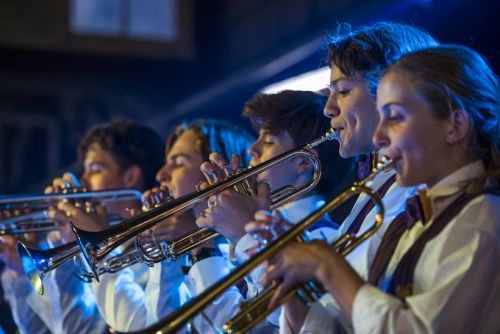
[[55, 84]]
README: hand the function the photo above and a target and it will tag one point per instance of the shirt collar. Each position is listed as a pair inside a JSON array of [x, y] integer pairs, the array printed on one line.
[[446, 191], [298, 210], [454, 182]]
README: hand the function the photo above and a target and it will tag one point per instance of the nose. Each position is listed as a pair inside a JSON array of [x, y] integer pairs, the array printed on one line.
[[163, 175], [380, 137], [331, 109], [254, 150]]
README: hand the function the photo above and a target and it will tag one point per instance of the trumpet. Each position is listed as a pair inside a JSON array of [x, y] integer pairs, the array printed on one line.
[[96, 245], [30, 212], [279, 197], [256, 310], [37, 263], [116, 263]]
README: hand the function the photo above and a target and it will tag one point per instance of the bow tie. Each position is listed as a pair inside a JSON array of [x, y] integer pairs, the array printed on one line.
[[418, 208]]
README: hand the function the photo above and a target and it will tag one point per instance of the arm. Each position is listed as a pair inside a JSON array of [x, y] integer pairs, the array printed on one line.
[[460, 289], [165, 290], [204, 273], [79, 312], [120, 299], [17, 288]]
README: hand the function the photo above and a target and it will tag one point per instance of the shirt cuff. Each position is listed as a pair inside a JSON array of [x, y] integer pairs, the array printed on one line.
[[244, 244], [368, 304], [206, 272]]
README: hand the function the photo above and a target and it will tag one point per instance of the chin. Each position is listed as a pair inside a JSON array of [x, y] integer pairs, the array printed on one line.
[[407, 181], [402, 181], [344, 151]]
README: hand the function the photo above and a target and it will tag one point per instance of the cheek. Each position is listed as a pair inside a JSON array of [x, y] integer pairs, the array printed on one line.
[[186, 181], [413, 142], [267, 154], [97, 182]]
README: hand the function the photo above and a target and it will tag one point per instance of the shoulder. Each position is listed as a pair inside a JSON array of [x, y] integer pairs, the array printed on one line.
[[482, 213]]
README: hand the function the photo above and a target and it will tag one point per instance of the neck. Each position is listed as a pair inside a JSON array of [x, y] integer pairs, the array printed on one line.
[[449, 166]]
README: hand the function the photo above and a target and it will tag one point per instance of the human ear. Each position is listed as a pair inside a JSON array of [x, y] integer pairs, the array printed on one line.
[[304, 165], [459, 126], [132, 177]]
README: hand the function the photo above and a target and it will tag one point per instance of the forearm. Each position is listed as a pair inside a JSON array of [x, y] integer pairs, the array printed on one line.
[[121, 301], [295, 314], [165, 290], [340, 279]]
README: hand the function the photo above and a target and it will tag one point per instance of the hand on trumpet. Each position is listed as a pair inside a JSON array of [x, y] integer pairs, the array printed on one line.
[[300, 263], [229, 211], [266, 227], [171, 228], [153, 197], [87, 216]]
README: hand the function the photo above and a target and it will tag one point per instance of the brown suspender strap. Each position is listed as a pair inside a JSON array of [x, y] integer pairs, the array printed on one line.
[[401, 283], [386, 249], [358, 221]]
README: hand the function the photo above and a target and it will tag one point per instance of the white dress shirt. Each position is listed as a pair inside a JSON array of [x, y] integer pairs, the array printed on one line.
[[133, 298], [293, 212], [456, 286], [17, 288], [67, 306], [203, 275], [326, 310]]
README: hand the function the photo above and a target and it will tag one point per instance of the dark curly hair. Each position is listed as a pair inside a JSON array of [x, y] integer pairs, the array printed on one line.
[[130, 144], [371, 48], [300, 114]]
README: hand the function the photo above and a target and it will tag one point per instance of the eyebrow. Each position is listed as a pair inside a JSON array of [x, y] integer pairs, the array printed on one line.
[[336, 81]]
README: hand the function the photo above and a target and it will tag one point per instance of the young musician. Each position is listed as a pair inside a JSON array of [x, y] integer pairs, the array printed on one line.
[[170, 283], [353, 56], [440, 123], [285, 121], [120, 154]]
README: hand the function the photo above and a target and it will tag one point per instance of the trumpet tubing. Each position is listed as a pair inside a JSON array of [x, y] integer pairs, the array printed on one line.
[[37, 263], [96, 245], [279, 197], [36, 222], [39, 222], [30, 212], [256, 310], [251, 315], [43, 201], [189, 241], [116, 263]]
